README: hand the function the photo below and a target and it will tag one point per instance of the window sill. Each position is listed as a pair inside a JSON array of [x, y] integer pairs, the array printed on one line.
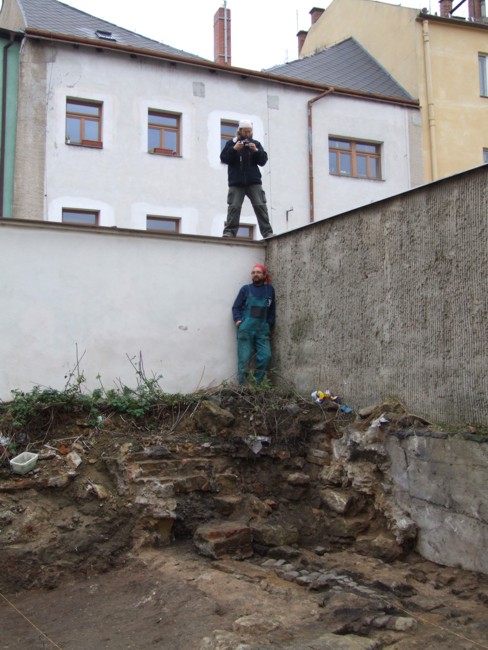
[[91, 144], [164, 152], [358, 178]]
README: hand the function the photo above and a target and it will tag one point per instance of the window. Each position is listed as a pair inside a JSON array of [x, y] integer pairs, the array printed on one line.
[[80, 217], [104, 36], [163, 133], [245, 231], [227, 131], [84, 123], [356, 159], [163, 224], [483, 68], [485, 156]]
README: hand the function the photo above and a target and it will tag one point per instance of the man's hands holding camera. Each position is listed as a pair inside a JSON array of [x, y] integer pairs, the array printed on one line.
[[248, 144]]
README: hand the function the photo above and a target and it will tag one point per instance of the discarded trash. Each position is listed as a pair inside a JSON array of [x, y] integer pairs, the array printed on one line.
[[320, 396], [378, 422], [256, 443], [24, 462]]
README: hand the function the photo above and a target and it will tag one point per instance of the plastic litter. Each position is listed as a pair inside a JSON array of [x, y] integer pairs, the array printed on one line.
[[24, 462], [256, 443], [320, 396]]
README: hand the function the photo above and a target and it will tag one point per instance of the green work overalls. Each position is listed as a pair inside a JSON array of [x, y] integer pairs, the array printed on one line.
[[253, 338]]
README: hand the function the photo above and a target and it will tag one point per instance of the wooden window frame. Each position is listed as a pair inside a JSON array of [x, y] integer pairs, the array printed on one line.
[[225, 137], [164, 151], [95, 213], [251, 228], [354, 155], [84, 142], [154, 217]]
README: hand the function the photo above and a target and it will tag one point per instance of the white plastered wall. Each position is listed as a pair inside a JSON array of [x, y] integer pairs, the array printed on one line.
[[110, 296], [126, 183]]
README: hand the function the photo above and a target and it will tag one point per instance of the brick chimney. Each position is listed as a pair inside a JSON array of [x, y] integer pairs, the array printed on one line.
[[302, 35], [315, 13], [222, 53], [445, 7], [474, 10]]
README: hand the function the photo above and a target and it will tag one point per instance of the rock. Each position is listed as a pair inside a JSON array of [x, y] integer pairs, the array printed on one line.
[[213, 419], [274, 534], [74, 459], [99, 491], [383, 547], [157, 451], [336, 500], [331, 641], [367, 411], [222, 640], [221, 539], [298, 478], [257, 623]]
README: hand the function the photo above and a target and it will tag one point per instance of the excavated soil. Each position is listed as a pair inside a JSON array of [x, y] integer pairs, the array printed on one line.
[[84, 567]]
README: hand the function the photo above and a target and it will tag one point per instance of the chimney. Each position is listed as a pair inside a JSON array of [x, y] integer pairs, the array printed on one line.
[[222, 35], [302, 35], [445, 8], [315, 13], [474, 10]]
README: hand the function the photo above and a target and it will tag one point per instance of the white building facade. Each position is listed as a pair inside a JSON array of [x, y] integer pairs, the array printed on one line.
[[90, 113]]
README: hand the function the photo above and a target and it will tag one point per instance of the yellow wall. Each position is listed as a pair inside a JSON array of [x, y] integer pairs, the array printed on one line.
[[454, 116], [461, 115], [386, 31]]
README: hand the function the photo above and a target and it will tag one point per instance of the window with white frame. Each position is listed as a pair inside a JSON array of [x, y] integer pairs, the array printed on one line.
[[485, 156]]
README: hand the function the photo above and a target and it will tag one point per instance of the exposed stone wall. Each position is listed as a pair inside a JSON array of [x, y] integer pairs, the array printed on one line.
[[441, 481], [391, 300]]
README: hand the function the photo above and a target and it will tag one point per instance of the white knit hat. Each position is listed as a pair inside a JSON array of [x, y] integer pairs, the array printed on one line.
[[245, 124]]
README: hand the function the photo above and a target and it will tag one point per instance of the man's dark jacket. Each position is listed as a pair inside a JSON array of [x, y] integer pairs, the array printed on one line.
[[242, 166]]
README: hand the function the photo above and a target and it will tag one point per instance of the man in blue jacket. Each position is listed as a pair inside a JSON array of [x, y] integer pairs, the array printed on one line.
[[242, 155], [253, 312]]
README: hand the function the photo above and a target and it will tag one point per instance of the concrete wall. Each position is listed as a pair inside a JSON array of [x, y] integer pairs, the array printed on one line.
[[112, 294], [391, 300]]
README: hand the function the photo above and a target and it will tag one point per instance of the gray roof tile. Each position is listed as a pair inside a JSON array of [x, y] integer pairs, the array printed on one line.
[[54, 16], [345, 65]]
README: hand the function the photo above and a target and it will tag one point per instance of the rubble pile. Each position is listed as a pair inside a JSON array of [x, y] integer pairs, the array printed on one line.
[[285, 483]]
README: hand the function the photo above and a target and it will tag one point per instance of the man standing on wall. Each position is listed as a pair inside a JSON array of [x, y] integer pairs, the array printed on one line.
[[242, 155], [253, 312]]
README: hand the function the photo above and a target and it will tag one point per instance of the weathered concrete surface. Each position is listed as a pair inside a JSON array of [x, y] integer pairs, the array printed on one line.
[[391, 300], [442, 482]]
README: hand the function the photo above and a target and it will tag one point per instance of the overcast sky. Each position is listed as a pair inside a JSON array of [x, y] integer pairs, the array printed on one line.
[[263, 31]]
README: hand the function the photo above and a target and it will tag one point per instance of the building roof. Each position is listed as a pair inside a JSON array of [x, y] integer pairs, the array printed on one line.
[[57, 17], [345, 65]]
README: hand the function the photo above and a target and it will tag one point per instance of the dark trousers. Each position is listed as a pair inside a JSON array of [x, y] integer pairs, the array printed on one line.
[[235, 199]]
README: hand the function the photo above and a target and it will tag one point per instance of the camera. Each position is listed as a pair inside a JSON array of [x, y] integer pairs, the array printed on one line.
[[245, 142]]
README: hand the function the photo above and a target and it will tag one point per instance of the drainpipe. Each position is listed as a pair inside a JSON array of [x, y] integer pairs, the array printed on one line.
[[3, 126], [330, 90], [430, 101], [226, 53]]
